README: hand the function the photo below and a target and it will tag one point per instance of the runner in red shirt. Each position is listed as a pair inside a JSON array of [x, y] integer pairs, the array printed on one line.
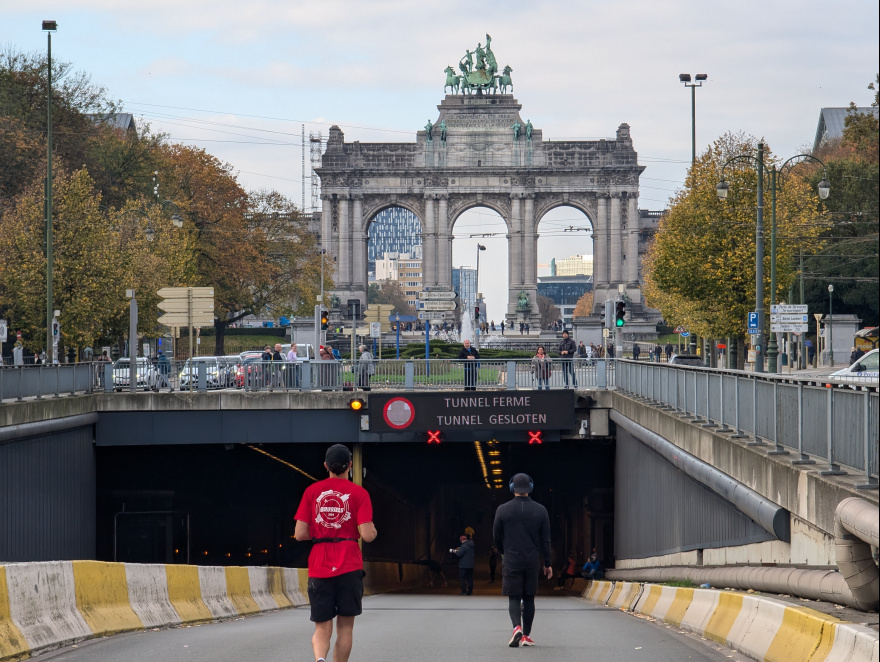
[[333, 514]]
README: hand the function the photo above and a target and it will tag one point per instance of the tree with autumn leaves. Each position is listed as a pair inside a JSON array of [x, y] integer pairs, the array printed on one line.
[[111, 233], [700, 270]]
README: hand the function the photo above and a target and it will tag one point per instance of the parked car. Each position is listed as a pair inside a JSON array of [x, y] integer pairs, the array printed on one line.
[[229, 367], [866, 369], [304, 351], [147, 374], [687, 359], [190, 370]]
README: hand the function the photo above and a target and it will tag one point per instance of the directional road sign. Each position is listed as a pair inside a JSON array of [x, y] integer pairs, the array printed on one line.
[[201, 304], [185, 319], [436, 315], [779, 318], [183, 292], [3, 330], [789, 328], [753, 320], [185, 306], [442, 294], [789, 308], [438, 305]]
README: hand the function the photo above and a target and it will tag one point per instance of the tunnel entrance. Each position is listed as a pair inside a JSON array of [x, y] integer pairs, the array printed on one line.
[[234, 504]]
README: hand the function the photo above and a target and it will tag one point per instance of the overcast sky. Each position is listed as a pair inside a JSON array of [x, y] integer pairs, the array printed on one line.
[[241, 78]]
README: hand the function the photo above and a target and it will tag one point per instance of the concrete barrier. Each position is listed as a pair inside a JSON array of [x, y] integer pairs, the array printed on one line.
[[49, 605], [761, 627]]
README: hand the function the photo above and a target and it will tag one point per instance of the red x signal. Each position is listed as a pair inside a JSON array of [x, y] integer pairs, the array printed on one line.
[[435, 436], [535, 437]]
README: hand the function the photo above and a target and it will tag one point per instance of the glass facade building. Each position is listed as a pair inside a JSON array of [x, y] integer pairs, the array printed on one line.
[[393, 230]]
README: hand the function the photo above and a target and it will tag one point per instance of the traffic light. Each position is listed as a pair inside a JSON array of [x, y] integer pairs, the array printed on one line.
[[356, 404], [620, 312], [477, 313], [325, 320], [435, 436], [608, 315]]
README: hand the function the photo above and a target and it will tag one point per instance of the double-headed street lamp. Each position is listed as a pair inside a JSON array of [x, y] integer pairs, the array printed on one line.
[[686, 79], [49, 27], [722, 189]]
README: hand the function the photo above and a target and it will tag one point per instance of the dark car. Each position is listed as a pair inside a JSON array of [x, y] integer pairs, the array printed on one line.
[[687, 359]]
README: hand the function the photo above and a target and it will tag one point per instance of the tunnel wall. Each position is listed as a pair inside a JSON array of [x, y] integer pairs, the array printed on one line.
[[47, 496], [660, 510]]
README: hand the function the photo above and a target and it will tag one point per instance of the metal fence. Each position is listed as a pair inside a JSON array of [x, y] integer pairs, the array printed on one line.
[[40, 381], [806, 418], [209, 373]]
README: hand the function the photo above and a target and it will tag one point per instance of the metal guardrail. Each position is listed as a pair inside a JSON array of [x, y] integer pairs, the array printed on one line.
[[804, 417], [40, 381]]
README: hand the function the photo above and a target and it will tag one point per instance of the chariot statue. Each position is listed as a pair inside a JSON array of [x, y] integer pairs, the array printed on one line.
[[478, 76]]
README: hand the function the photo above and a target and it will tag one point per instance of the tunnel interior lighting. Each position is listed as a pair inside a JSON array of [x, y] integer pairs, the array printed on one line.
[[482, 460]]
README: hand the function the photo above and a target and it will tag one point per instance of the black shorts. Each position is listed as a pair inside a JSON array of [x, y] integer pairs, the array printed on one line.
[[336, 596], [519, 582]]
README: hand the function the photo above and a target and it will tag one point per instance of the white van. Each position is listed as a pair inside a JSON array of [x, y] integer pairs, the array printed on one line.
[[304, 351], [866, 369]]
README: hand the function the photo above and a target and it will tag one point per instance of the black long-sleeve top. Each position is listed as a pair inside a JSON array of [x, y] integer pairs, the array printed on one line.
[[522, 533]]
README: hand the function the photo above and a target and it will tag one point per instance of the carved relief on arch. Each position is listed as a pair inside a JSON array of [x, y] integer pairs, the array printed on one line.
[[373, 204], [458, 204], [584, 202]]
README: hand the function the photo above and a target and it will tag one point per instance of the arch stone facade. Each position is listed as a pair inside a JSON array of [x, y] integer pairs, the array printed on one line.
[[479, 161]]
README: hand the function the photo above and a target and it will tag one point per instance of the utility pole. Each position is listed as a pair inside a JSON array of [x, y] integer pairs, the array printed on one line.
[[49, 27]]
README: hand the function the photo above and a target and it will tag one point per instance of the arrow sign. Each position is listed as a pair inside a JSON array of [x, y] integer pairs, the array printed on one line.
[[431, 315], [183, 292], [199, 305], [788, 328], [439, 305], [445, 294], [789, 308], [779, 318], [184, 319]]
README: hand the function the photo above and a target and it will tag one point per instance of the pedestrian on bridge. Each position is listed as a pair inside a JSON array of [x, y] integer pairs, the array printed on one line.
[[333, 514], [471, 356], [521, 533], [567, 350], [638, 350], [541, 367]]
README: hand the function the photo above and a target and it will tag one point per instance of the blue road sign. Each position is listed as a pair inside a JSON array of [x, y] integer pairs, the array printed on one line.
[[685, 334], [754, 331], [753, 320]]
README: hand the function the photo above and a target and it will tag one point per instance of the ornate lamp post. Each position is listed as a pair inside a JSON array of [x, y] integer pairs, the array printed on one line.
[[722, 189], [686, 79], [49, 27]]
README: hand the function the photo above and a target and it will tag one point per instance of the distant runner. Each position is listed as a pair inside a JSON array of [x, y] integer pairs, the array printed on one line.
[[522, 535], [333, 514]]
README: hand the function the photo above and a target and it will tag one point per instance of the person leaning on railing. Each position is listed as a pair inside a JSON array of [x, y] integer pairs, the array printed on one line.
[[470, 355], [365, 368], [541, 367]]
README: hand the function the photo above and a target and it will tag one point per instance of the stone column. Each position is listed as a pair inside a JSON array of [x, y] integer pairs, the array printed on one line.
[[359, 244], [632, 241], [515, 238], [530, 231], [615, 254], [444, 266], [326, 222], [343, 252], [429, 243], [600, 246]]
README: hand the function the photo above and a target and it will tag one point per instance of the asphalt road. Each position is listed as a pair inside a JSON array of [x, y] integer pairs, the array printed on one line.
[[438, 628]]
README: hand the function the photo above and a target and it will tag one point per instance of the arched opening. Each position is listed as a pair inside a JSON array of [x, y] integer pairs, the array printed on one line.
[[475, 227], [394, 259], [565, 265]]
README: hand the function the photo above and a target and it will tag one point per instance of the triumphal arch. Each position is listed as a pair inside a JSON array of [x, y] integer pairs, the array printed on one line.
[[480, 151]]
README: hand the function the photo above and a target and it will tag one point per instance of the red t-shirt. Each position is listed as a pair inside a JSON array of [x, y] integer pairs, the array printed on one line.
[[334, 508]]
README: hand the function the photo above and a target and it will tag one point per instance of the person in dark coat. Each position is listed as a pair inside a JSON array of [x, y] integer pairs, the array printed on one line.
[[470, 356], [465, 554], [567, 350], [636, 351]]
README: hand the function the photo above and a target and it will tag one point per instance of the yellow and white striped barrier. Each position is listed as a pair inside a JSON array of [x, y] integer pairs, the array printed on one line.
[[53, 604], [761, 627]]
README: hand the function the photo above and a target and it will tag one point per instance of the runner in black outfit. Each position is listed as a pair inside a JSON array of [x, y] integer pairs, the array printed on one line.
[[522, 535]]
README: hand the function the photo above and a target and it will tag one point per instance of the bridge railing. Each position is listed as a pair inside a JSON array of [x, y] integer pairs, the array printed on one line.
[[208, 374], [40, 381], [807, 418]]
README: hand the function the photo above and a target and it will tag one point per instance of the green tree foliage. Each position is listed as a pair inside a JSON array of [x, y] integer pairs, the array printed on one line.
[[700, 271], [849, 258]]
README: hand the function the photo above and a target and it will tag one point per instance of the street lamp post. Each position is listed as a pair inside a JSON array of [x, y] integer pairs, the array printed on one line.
[[49, 27], [686, 79], [722, 190], [830, 326]]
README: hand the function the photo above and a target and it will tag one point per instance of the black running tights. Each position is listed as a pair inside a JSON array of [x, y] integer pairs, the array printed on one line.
[[524, 612]]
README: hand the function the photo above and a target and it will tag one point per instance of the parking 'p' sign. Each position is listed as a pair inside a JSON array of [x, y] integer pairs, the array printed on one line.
[[753, 320]]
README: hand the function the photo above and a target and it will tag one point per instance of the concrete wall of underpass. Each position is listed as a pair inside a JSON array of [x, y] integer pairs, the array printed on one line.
[[810, 498]]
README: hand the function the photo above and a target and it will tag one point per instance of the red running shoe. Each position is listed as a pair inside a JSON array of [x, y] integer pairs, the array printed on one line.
[[526, 641], [516, 637]]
